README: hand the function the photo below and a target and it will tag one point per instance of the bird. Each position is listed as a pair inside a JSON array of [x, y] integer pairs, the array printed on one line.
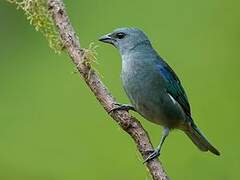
[[153, 88]]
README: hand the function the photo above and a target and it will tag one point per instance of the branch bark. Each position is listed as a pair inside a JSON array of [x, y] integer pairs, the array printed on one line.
[[128, 123]]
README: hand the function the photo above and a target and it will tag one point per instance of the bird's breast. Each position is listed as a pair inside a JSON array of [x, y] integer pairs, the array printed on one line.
[[146, 90]]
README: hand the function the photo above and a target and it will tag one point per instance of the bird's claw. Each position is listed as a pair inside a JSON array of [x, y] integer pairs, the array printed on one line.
[[153, 155], [123, 107]]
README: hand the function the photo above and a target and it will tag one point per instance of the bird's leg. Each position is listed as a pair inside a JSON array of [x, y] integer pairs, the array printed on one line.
[[157, 151], [125, 107]]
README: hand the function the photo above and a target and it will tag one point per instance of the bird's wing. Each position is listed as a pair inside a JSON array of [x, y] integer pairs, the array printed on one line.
[[173, 86]]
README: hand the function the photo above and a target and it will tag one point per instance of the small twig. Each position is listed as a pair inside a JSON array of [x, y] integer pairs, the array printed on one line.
[[128, 123]]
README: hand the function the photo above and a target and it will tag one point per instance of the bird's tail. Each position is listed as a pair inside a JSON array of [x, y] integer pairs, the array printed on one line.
[[200, 140]]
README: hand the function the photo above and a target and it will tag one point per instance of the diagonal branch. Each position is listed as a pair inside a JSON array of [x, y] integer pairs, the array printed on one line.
[[128, 123]]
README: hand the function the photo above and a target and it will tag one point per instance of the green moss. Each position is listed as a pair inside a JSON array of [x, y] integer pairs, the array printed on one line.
[[89, 58], [37, 14]]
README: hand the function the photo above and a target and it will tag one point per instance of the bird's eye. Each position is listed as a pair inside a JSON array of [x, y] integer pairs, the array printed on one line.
[[120, 35]]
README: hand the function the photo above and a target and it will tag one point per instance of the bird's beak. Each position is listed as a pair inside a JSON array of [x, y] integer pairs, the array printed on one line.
[[106, 39]]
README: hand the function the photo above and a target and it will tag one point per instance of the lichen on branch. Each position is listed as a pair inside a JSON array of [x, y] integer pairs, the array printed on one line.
[[37, 14]]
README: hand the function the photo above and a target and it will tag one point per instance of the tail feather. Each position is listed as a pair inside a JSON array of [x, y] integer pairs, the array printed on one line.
[[200, 140]]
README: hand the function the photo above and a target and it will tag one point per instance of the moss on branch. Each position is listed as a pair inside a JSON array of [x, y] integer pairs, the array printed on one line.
[[37, 14]]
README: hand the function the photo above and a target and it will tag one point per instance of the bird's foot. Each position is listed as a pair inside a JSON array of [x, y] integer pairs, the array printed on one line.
[[125, 107], [154, 154]]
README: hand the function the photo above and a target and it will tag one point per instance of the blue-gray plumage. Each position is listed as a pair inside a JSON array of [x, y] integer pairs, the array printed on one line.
[[153, 87]]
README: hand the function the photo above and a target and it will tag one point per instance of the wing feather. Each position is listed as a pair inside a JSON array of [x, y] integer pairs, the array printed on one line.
[[173, 86]]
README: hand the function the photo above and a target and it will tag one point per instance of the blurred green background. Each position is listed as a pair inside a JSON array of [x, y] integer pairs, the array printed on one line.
[[52, 127]]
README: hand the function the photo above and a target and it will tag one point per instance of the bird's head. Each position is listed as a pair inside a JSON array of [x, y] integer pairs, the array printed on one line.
[[125, 39]]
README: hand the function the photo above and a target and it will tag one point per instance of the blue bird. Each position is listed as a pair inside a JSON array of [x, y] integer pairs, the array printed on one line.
[[153, 88]]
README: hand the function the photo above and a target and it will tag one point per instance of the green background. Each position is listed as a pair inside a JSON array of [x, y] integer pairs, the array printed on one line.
[[52, 127]]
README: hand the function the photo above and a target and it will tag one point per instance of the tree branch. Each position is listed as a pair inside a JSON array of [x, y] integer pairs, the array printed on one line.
[[128, 123]]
